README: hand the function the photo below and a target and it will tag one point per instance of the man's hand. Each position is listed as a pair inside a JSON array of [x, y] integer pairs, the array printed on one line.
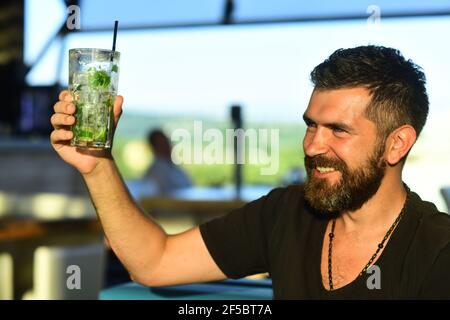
[[84, 160]]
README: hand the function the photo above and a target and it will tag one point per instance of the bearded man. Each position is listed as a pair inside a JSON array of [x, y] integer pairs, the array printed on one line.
[[354, 230]]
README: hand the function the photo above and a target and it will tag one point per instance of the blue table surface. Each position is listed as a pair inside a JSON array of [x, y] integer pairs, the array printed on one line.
[[242, 289]]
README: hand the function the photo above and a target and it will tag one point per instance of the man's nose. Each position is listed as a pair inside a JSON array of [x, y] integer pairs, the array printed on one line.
[[315, 143]]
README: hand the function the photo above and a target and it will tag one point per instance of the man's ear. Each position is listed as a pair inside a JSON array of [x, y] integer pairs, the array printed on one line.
[[399, 142]]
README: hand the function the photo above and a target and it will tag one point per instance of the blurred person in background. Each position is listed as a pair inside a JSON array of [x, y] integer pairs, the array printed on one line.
[[166, 174]]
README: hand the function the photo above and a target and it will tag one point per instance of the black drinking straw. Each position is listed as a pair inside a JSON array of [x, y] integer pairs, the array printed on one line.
[[116, 25]]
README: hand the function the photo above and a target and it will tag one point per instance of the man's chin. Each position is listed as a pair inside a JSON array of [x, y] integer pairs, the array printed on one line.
[[321, 194], [323, 206], [328, 183]]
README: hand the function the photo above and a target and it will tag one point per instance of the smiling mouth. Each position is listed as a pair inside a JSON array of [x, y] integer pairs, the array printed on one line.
[[325, 169]]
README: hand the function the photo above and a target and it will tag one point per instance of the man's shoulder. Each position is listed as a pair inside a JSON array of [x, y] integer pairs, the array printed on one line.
[[434, 225], [284, 202], [429, 257]]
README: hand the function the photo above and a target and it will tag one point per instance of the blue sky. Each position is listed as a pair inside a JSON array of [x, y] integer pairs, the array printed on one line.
[[175, 11]]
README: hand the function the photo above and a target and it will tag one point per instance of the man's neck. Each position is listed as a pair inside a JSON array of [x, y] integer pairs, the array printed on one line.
[[164, 158], [378, 213]]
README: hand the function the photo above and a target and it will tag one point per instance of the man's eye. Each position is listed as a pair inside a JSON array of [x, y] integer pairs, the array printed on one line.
[[339, 130]]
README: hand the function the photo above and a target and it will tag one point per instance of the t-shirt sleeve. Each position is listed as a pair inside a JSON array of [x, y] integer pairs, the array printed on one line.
[[437, 282], [238, 241]]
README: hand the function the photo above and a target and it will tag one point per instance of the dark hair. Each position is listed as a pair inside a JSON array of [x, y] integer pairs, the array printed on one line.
[[397, 86], [154, 134]]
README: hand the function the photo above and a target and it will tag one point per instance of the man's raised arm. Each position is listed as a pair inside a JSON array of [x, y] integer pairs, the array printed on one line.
[[149, 254]]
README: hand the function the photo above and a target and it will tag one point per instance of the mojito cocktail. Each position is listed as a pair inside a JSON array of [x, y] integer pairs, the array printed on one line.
[[93, 82]]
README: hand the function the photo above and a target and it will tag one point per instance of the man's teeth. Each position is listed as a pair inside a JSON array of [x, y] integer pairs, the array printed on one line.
[[324, 169]]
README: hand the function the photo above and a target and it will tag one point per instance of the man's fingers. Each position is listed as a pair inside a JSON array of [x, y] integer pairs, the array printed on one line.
[[64, 107], [58, 119], [65, 96], [60, 135]]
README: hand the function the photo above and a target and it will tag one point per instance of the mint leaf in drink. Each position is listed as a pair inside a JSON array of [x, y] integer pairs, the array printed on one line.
[[109, 103], [98, 79], [85, 134], [78, 109], [115, 68], [100, 135]]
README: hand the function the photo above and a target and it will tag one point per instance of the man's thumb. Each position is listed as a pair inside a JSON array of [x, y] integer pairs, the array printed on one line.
[[117, 109]]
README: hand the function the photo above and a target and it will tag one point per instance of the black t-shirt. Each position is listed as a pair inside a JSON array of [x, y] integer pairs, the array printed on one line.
[[280, 234]]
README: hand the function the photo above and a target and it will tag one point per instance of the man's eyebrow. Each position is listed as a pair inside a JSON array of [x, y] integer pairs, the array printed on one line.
[[307, 119], [331, 125]]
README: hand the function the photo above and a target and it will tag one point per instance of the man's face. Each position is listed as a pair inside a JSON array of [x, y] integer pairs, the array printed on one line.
[[343, 158]]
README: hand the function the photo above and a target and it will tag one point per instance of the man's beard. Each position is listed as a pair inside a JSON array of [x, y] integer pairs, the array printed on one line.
[[354, 188]]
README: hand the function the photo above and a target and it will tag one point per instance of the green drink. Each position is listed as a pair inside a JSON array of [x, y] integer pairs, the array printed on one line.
[[93, 82]]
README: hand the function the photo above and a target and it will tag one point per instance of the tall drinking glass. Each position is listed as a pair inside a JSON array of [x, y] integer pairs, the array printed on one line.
[[93, 83]]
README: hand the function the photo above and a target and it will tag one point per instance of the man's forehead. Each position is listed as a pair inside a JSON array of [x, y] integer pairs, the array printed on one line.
[[344, 105]]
